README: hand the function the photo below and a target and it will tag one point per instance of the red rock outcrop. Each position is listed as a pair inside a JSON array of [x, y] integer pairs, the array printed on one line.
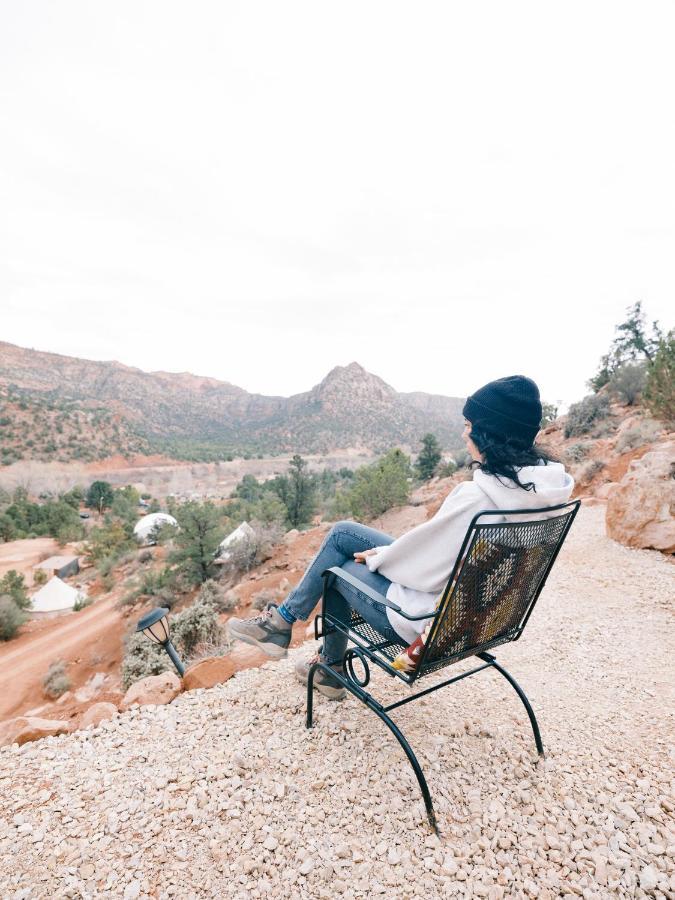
[[641, 508], [215, 669]]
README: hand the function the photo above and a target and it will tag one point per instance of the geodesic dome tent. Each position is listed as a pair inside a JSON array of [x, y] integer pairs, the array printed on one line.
[[242, 534], [145, 527]]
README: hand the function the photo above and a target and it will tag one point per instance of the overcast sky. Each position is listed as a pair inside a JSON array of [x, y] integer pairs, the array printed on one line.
[[445, 192]]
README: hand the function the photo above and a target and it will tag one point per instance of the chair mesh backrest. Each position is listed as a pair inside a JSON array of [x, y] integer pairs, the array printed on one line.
[[495, 588]]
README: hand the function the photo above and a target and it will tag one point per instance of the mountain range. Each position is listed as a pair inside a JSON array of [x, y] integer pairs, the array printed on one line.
[[194, 417]]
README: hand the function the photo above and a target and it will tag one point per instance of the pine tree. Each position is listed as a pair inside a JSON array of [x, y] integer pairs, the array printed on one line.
[[659, 394], [196, 539], [429, 457], [300, 493], [632, 343], [99, 496]]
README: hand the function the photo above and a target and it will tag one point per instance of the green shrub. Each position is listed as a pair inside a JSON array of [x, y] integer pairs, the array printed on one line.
[[40, 576], [377, 487], [108, 582], [141, 659], [109, 541], [192, 629], [583, 415], [210, 592], [56, 682], [446, 469], [198, 624], [13, 584], [81, 603], [11, 618], [161, 585]]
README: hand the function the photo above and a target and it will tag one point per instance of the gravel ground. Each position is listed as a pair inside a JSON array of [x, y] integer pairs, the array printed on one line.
[[224, 793]]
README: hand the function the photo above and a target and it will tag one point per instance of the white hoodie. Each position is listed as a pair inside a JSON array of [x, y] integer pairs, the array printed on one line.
[[419, 563]]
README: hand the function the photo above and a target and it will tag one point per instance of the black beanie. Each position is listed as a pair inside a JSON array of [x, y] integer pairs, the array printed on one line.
[[508, 408]]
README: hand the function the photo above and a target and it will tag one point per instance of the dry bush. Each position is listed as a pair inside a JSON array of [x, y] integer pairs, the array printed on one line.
[[583, 415], [247, 554], [223, 600], [644, 433], [229, 601], [576, 452], [588, 472], [262, 598], [56, 682], [628, 382]]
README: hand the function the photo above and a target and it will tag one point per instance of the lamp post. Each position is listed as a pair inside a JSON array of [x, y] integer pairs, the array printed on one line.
[[155, 626]]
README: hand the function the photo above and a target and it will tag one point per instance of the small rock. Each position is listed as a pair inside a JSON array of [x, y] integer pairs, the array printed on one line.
[[97, 713], [648, 878], [154, 690], [306, 866]]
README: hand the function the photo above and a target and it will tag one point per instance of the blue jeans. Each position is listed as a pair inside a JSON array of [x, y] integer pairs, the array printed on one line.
[[338, 548]]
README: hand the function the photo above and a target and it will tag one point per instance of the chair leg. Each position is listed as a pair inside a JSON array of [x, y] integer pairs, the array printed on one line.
[[521, 693], [372, 704]]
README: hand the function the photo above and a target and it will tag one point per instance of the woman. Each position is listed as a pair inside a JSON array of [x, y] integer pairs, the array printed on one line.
[[501, 423]]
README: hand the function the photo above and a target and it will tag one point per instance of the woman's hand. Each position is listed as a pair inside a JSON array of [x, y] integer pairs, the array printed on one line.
[[361, 555]]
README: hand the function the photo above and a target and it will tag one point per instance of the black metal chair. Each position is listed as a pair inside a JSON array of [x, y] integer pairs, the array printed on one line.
[[495, 583]]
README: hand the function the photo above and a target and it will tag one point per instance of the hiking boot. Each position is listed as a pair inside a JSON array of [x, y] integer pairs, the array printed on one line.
[[269, 631], [323, 682]]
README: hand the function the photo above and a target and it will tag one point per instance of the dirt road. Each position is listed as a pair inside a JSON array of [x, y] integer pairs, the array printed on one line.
[[82, 638]]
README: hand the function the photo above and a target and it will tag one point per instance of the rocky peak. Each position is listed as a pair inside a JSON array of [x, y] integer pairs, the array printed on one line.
[[353, 381]]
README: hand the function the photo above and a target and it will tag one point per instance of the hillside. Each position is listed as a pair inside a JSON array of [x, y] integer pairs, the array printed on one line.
[[40, 427], [192, 417]]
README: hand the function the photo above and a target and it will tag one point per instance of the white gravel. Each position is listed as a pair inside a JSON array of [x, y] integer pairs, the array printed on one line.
[[224, 793]]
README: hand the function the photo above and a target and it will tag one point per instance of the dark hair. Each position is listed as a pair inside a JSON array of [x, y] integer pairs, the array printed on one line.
[[502, 457]]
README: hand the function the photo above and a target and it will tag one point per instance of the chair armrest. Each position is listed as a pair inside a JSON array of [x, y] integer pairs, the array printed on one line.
[[373, 594]]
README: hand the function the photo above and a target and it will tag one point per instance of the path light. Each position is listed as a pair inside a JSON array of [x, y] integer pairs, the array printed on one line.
[[155, 626]]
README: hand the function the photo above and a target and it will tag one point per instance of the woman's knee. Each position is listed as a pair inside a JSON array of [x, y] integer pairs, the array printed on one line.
[[343, 526]]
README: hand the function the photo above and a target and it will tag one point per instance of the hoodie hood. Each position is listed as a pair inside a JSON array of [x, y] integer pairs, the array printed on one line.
[[552, 483]]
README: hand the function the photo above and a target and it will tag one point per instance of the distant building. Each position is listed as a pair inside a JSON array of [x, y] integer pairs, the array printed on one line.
[[61, 566]]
